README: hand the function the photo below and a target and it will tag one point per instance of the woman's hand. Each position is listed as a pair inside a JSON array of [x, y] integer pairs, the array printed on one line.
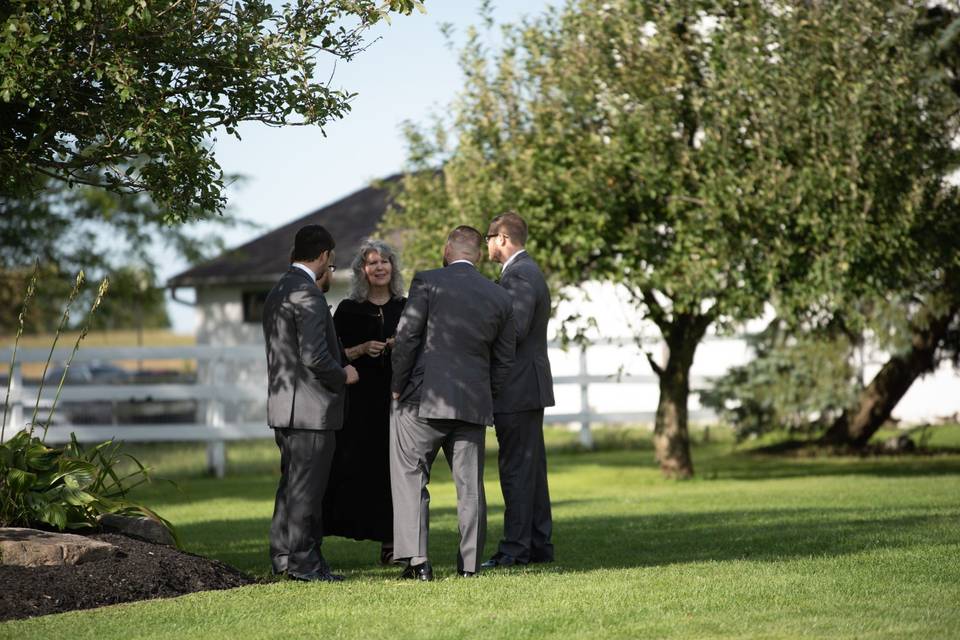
[[372, 348]]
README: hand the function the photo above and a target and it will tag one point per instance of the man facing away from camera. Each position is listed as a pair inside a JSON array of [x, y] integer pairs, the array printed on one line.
[[454, 348]]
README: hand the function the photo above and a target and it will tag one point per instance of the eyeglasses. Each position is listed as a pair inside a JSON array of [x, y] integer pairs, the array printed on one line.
[[332, 267]]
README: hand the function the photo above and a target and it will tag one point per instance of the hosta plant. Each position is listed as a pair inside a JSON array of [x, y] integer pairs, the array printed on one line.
[[68, 487]]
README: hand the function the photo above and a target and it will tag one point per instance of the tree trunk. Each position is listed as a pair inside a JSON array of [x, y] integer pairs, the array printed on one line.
[[877, 401], [671, 438]]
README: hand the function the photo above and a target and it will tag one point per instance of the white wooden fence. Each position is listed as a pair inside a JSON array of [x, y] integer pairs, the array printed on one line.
[[588, 415], [212, 399]]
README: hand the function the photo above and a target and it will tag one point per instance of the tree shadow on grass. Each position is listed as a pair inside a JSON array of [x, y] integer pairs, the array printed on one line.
[[747, 465], [615, 542], [720, 462], [763, 535]]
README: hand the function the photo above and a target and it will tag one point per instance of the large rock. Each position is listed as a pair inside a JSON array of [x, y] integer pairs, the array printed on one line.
[[34, 548], [143, 528]]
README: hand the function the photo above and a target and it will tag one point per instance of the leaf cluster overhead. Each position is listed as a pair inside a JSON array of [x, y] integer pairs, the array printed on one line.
[[127, 94]]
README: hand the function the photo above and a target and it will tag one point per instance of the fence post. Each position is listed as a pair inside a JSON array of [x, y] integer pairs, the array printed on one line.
[[216, 449], [586, 438]]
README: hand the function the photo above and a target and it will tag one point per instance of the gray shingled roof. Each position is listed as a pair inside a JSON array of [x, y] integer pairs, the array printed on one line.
[[264, 259]]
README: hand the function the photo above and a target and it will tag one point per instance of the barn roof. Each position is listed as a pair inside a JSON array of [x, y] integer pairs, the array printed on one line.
[[264, 259]]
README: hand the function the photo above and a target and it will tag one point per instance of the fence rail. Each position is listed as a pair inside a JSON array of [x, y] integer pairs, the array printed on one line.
[[212, 399]]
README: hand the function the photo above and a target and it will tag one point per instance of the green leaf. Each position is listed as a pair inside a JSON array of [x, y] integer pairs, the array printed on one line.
[[54, 514], [20, 480], [40, 457], [79, 472], [6, 456]]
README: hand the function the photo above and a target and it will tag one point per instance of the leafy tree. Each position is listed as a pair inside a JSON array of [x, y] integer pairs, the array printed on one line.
[[709, 156], [927, 333], [127, 94], [925, 284], [87, 228]]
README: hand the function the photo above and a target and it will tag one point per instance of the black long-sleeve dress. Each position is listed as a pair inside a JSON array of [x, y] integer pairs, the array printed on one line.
[[358, 503]]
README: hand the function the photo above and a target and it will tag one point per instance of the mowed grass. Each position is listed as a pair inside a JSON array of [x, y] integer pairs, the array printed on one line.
[[754, 547]]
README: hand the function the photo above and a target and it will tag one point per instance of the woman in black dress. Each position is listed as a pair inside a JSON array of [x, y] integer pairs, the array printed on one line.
[[358, 503]]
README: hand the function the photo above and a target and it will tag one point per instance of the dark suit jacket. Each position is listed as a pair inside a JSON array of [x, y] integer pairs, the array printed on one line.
[[530, 383], [455, 344], [305, 376]]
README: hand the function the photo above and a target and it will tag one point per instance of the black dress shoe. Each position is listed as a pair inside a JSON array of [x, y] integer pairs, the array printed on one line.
[[316, 576], [422, 572], [501, 560], [466, 574]]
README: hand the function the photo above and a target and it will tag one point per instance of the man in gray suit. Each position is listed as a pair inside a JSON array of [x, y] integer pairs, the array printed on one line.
[[455, 345], [518, 410], [305, 397]]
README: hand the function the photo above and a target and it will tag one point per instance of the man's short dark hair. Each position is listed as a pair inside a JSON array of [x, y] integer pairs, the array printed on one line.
[[465, 238], [511, 225], [311, 241]]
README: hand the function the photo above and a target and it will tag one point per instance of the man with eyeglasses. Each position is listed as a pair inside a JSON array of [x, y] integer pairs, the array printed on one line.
[[306, 389], [518, 409]]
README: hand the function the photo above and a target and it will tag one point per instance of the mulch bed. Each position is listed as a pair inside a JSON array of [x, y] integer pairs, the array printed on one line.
[[141, 571]]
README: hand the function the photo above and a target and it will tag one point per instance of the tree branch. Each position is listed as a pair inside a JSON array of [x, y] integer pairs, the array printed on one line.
[[657, 369], [656, 310]]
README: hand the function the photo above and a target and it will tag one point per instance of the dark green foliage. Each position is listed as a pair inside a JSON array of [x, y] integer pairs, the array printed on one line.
[[66, 488], [69, 487], [798, 382], [102, 233], [129, 94]]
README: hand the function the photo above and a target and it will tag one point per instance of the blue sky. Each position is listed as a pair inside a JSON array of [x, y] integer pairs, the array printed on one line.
[[407, 74]]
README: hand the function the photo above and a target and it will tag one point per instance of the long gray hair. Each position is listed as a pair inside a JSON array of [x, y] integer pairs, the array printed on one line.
[[360, 287]]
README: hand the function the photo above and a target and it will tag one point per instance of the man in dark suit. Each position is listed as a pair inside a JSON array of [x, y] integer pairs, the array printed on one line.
[[454, 347], [305, 397], [518, 410]]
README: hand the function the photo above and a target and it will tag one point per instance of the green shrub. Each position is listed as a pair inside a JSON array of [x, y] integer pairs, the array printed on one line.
[[798, 382], [69, 487], [66, 488]]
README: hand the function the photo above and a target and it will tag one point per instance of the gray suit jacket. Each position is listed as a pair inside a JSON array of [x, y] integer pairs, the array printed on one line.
[[530, 383], [455, 344], [306, 383]]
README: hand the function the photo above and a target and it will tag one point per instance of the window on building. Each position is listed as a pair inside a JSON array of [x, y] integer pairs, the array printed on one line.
[[253, 305]]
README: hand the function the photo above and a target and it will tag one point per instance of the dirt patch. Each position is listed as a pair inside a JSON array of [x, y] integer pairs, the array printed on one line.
[[141, 571]]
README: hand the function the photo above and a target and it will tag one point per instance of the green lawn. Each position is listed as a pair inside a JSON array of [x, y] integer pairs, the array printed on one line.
[[757, 547]]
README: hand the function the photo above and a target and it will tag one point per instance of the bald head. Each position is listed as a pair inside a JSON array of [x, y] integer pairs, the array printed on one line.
[[463, 243]]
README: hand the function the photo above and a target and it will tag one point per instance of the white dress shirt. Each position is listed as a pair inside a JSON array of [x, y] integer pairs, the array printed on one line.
[[306, 269], [511, 259]]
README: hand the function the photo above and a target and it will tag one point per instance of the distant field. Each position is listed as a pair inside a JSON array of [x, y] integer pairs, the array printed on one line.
[[125, 338]]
